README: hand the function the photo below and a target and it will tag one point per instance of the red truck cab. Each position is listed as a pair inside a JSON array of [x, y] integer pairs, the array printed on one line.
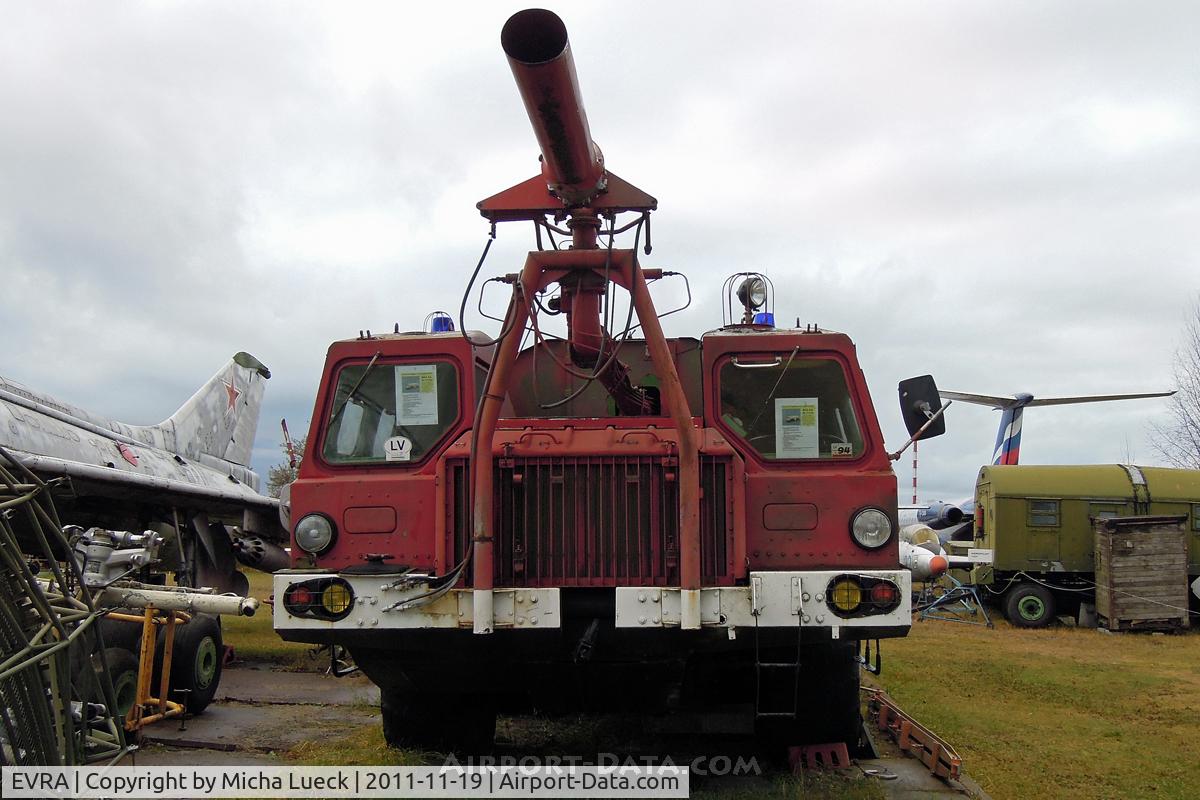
[[587, 566]]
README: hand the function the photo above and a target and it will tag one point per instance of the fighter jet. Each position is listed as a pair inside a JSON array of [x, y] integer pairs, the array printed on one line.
[[187, 476]]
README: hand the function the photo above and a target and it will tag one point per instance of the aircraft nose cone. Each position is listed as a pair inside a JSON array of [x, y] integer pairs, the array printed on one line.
[[938, 565]]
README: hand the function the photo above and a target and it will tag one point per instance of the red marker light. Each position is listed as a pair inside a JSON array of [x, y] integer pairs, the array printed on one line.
[[300, 598], [883, 594]]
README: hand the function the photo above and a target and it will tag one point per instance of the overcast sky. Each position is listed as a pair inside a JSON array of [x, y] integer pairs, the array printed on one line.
[[1005, 195]]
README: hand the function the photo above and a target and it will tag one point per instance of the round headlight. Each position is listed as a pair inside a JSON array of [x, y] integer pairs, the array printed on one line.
[[314, 533], [752, 293], [871, 528]]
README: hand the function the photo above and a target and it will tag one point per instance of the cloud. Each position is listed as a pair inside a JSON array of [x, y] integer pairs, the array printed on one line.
[[1003, 196]]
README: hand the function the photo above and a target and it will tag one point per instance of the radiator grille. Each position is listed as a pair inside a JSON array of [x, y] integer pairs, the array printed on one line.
[[595, 521]]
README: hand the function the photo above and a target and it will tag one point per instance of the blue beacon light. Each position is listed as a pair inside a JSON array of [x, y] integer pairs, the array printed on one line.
[[439, 322]]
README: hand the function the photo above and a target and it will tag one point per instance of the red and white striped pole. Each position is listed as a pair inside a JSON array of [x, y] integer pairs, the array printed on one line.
[[914, 473]]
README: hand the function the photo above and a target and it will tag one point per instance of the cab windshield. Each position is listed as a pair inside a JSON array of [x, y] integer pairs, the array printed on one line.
[[788, 406], [390, 413]]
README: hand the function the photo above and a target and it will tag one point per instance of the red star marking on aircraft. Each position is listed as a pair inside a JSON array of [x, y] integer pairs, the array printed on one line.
[[128, 453], [233, 393]]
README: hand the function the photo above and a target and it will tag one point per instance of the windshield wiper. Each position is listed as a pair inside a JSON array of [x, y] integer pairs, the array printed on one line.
[[337, 412], [771, 394]]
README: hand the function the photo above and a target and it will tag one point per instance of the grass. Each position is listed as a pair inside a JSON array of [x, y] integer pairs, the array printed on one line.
[[363, 747], [1062, 712], [254, 638]]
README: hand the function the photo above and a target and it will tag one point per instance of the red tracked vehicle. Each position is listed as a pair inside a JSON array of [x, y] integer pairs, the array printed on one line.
[[603, 520]]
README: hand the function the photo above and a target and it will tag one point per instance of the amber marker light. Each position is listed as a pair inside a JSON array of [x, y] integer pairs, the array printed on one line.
[[846, 595], [336, 598]]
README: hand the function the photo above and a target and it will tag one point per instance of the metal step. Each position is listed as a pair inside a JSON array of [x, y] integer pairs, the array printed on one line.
[[785, 708]]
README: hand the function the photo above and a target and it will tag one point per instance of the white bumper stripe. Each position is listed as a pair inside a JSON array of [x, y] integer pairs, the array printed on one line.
[[777, 599], [773, 599], [512, 608]]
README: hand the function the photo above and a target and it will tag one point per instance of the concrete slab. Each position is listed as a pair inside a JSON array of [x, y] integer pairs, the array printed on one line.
[[268, 727], [155, 755], [258, 713], [259, 684], [908, 779]]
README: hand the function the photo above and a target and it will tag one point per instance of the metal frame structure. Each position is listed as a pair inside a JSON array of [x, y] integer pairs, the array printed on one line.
[[56, 698], [912, 737], [953, 602]]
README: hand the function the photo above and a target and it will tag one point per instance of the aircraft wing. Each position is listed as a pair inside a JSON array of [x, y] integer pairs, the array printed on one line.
[[152, 488], [1094, 398], [999, 401], [995, 401]]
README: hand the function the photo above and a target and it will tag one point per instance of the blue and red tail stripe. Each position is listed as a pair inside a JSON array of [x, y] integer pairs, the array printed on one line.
[[1008, 438]]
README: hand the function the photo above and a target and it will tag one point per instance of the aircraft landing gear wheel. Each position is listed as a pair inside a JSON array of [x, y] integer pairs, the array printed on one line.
[[196, 662], [125, 635], [433, 721], [1030, 605], [123, 669]]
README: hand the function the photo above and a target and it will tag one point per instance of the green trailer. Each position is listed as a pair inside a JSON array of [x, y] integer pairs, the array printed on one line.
[[1034, 546]]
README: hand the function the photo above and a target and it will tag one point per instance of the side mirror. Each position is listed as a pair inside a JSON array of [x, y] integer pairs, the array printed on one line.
[[919, 402]]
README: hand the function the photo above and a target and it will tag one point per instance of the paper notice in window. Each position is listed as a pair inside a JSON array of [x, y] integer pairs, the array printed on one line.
[[796, 428], [416, 394]]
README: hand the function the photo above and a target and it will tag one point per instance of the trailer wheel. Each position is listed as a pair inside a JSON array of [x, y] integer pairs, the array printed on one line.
[[1030, 605], [196, 662], [435, 721]]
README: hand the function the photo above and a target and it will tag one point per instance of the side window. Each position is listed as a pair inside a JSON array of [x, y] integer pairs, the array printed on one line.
[[1104, 510], [1196, 517], [390, 413], [1044, 513], [788, 407]]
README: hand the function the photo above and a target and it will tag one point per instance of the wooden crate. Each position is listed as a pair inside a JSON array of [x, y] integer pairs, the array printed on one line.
[[1141, 573]]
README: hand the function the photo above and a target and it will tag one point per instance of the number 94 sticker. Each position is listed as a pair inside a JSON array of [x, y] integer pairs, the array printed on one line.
[[841, 449], [398, 448]]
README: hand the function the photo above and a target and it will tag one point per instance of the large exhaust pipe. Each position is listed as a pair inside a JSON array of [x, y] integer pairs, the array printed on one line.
[[535, 41], [539, 54]]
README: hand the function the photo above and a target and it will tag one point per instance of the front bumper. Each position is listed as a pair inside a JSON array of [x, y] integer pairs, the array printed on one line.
[[771, 600]]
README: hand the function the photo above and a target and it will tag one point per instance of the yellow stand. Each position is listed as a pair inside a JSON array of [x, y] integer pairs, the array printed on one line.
[[147, 709]]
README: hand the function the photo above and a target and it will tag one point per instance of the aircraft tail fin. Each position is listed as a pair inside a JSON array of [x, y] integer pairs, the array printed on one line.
[[221, 418], [1008, 437]]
